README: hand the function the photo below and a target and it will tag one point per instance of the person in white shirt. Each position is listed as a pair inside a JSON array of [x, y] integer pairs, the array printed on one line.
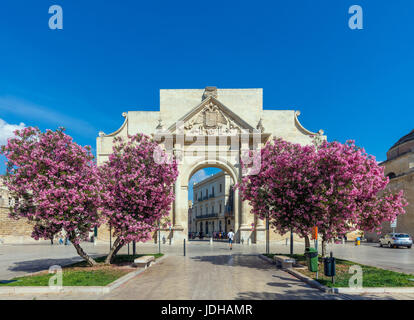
[[230, 235]]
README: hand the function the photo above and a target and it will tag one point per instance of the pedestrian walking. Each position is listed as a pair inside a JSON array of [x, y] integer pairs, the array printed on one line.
[[230, 235]]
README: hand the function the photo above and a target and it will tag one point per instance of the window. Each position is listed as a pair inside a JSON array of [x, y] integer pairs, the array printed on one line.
[[220, 207], [212, 191], [402, 235], [391, 175], [221, 187], [228, 222]]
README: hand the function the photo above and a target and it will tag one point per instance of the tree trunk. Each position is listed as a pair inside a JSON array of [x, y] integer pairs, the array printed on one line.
[[89, 260], [307, 242], [114, 250]]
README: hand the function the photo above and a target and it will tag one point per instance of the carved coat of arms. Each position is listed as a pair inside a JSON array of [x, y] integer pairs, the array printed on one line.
[[209, 120]]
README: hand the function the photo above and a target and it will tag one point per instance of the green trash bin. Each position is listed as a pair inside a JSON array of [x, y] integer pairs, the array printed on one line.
[[312, 259]]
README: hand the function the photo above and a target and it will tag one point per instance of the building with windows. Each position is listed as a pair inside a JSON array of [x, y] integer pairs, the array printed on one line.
[[399, 168], [212, 209]]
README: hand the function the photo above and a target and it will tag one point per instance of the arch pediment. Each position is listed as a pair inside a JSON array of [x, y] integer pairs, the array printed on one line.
[[211, 117]]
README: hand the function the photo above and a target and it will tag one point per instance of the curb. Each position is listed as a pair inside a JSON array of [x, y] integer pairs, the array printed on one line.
[[345, 290], [266, 259], [312, 282], [78, 289], [348, 290]]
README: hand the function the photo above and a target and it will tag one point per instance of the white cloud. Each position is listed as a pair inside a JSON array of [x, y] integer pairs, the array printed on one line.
[[23, 108], [198, 176], [6, 130]]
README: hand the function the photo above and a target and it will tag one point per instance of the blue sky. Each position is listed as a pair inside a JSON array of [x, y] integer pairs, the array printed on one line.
[[114, 56]]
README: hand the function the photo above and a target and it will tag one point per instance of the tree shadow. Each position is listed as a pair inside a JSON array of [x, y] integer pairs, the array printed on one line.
[[294, 294], [239, 260], [293, 279], [31, 266], [279, 284]]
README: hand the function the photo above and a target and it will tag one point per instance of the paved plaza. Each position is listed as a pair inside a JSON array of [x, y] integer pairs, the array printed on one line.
[[207, 272], [219, 276], [17, 260]]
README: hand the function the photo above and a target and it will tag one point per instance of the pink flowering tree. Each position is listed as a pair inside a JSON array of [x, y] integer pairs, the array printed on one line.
[[336, 187], [56, 185], [138, 189], [351, 193], [284, 188]]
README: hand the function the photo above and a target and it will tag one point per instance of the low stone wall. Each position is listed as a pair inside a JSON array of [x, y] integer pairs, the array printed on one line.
[[14, 231]]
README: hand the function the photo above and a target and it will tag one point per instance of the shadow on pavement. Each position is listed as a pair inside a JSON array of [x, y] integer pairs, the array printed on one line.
[[301, 294], [240, 260], [43, 264]]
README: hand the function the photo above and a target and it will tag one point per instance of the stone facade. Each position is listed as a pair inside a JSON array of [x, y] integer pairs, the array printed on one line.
[[210, 128], [399, 167], [12, 230]]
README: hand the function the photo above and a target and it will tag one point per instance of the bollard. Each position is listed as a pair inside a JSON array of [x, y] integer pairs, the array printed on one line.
[[184, 247], [211, 241]]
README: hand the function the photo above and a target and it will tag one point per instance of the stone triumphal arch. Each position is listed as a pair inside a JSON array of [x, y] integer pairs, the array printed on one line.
[[211, 128]]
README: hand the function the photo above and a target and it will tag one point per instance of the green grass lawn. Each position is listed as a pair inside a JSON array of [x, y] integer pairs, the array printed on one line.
[[372, 276], [79, 274]]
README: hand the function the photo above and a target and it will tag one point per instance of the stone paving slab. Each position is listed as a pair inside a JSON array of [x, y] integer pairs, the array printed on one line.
[[230, 276]]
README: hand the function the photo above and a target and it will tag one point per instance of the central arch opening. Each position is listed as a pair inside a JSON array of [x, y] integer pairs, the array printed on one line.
[[211, 209]]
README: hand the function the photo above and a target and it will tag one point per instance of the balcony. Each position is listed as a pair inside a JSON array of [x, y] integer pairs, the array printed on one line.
[[206, 216], [206, 197]]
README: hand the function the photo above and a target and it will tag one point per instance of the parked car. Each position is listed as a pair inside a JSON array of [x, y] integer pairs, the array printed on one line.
[[396, 240]]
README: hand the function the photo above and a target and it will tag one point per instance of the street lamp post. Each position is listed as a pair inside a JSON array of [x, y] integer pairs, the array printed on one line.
[[159, 237], [267, 233], [291, 242]]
